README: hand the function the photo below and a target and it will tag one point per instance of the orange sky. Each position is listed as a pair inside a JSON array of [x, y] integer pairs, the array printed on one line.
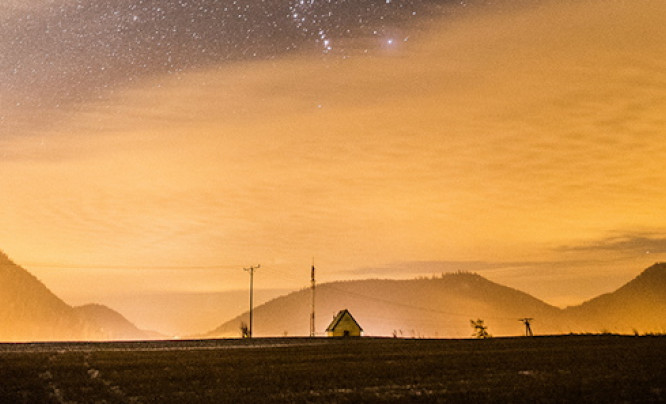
[[527, 141]]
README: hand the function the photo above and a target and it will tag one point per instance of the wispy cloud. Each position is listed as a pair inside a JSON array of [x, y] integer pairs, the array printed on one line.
[[636, 242]]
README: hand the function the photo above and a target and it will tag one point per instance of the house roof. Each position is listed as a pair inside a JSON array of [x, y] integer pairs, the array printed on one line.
[[339, 317]]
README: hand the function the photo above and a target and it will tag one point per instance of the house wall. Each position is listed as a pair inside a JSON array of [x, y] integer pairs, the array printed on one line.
[[346, 324]]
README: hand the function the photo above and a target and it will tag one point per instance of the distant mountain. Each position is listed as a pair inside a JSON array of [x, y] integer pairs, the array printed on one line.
[[418, 307], [113, 325], [29, 311], [434, 307], [444, 307], [186, 313], [640, 306]]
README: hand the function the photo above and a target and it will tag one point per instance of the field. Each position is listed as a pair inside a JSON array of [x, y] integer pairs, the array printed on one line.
[[541, 369]]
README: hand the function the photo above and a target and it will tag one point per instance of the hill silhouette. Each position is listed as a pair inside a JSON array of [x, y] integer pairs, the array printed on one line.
[[410, 308], [426, 307], [112, 324], [443, 307], [29, 311], [638, 306]]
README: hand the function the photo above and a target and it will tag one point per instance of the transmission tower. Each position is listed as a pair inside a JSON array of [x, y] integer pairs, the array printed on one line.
[[528, 328], [251, 271]]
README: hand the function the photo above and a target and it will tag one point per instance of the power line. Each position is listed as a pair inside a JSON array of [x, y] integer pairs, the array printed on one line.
[[528, 328], [283, 274], [410, 306], [66, 266]]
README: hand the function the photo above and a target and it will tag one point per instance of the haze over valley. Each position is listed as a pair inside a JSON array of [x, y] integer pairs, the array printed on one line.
[[437, 307]]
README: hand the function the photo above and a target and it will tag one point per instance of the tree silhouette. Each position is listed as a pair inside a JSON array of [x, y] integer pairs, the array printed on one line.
[[245, 330], [480, 329]]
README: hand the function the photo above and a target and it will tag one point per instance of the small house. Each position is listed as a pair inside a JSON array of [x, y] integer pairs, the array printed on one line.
[[344, 325]]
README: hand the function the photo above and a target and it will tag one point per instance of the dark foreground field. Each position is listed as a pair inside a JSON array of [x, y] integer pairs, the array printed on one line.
[[544, 369]]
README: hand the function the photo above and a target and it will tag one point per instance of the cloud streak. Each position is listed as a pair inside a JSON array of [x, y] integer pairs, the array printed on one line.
[[624, 243]]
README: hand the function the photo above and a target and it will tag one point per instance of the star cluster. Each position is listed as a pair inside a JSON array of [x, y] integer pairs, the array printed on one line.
[[75, 50]]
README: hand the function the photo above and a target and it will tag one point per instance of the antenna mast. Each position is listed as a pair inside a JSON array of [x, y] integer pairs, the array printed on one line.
[[312, 314]]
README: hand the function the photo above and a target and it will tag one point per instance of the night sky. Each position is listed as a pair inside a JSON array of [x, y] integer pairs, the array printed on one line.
[[161, 146], [68, 51]]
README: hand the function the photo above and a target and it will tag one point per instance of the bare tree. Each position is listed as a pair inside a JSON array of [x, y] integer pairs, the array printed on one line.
[[480, 329], [245, 330]]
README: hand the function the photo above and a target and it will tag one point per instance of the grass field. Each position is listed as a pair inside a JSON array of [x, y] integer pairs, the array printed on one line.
[[542, 369]]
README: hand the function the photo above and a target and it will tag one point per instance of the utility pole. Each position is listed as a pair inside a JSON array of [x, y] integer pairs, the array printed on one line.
[[528, 328], [251, 271], [312, 315]]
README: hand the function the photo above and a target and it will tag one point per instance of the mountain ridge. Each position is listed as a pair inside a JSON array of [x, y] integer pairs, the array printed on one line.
[[425, 307], [114, 325], [422, 307], [30, 311], [634, 307]]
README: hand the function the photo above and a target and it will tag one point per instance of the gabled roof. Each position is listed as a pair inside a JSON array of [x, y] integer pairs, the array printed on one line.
[[339, 317]]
